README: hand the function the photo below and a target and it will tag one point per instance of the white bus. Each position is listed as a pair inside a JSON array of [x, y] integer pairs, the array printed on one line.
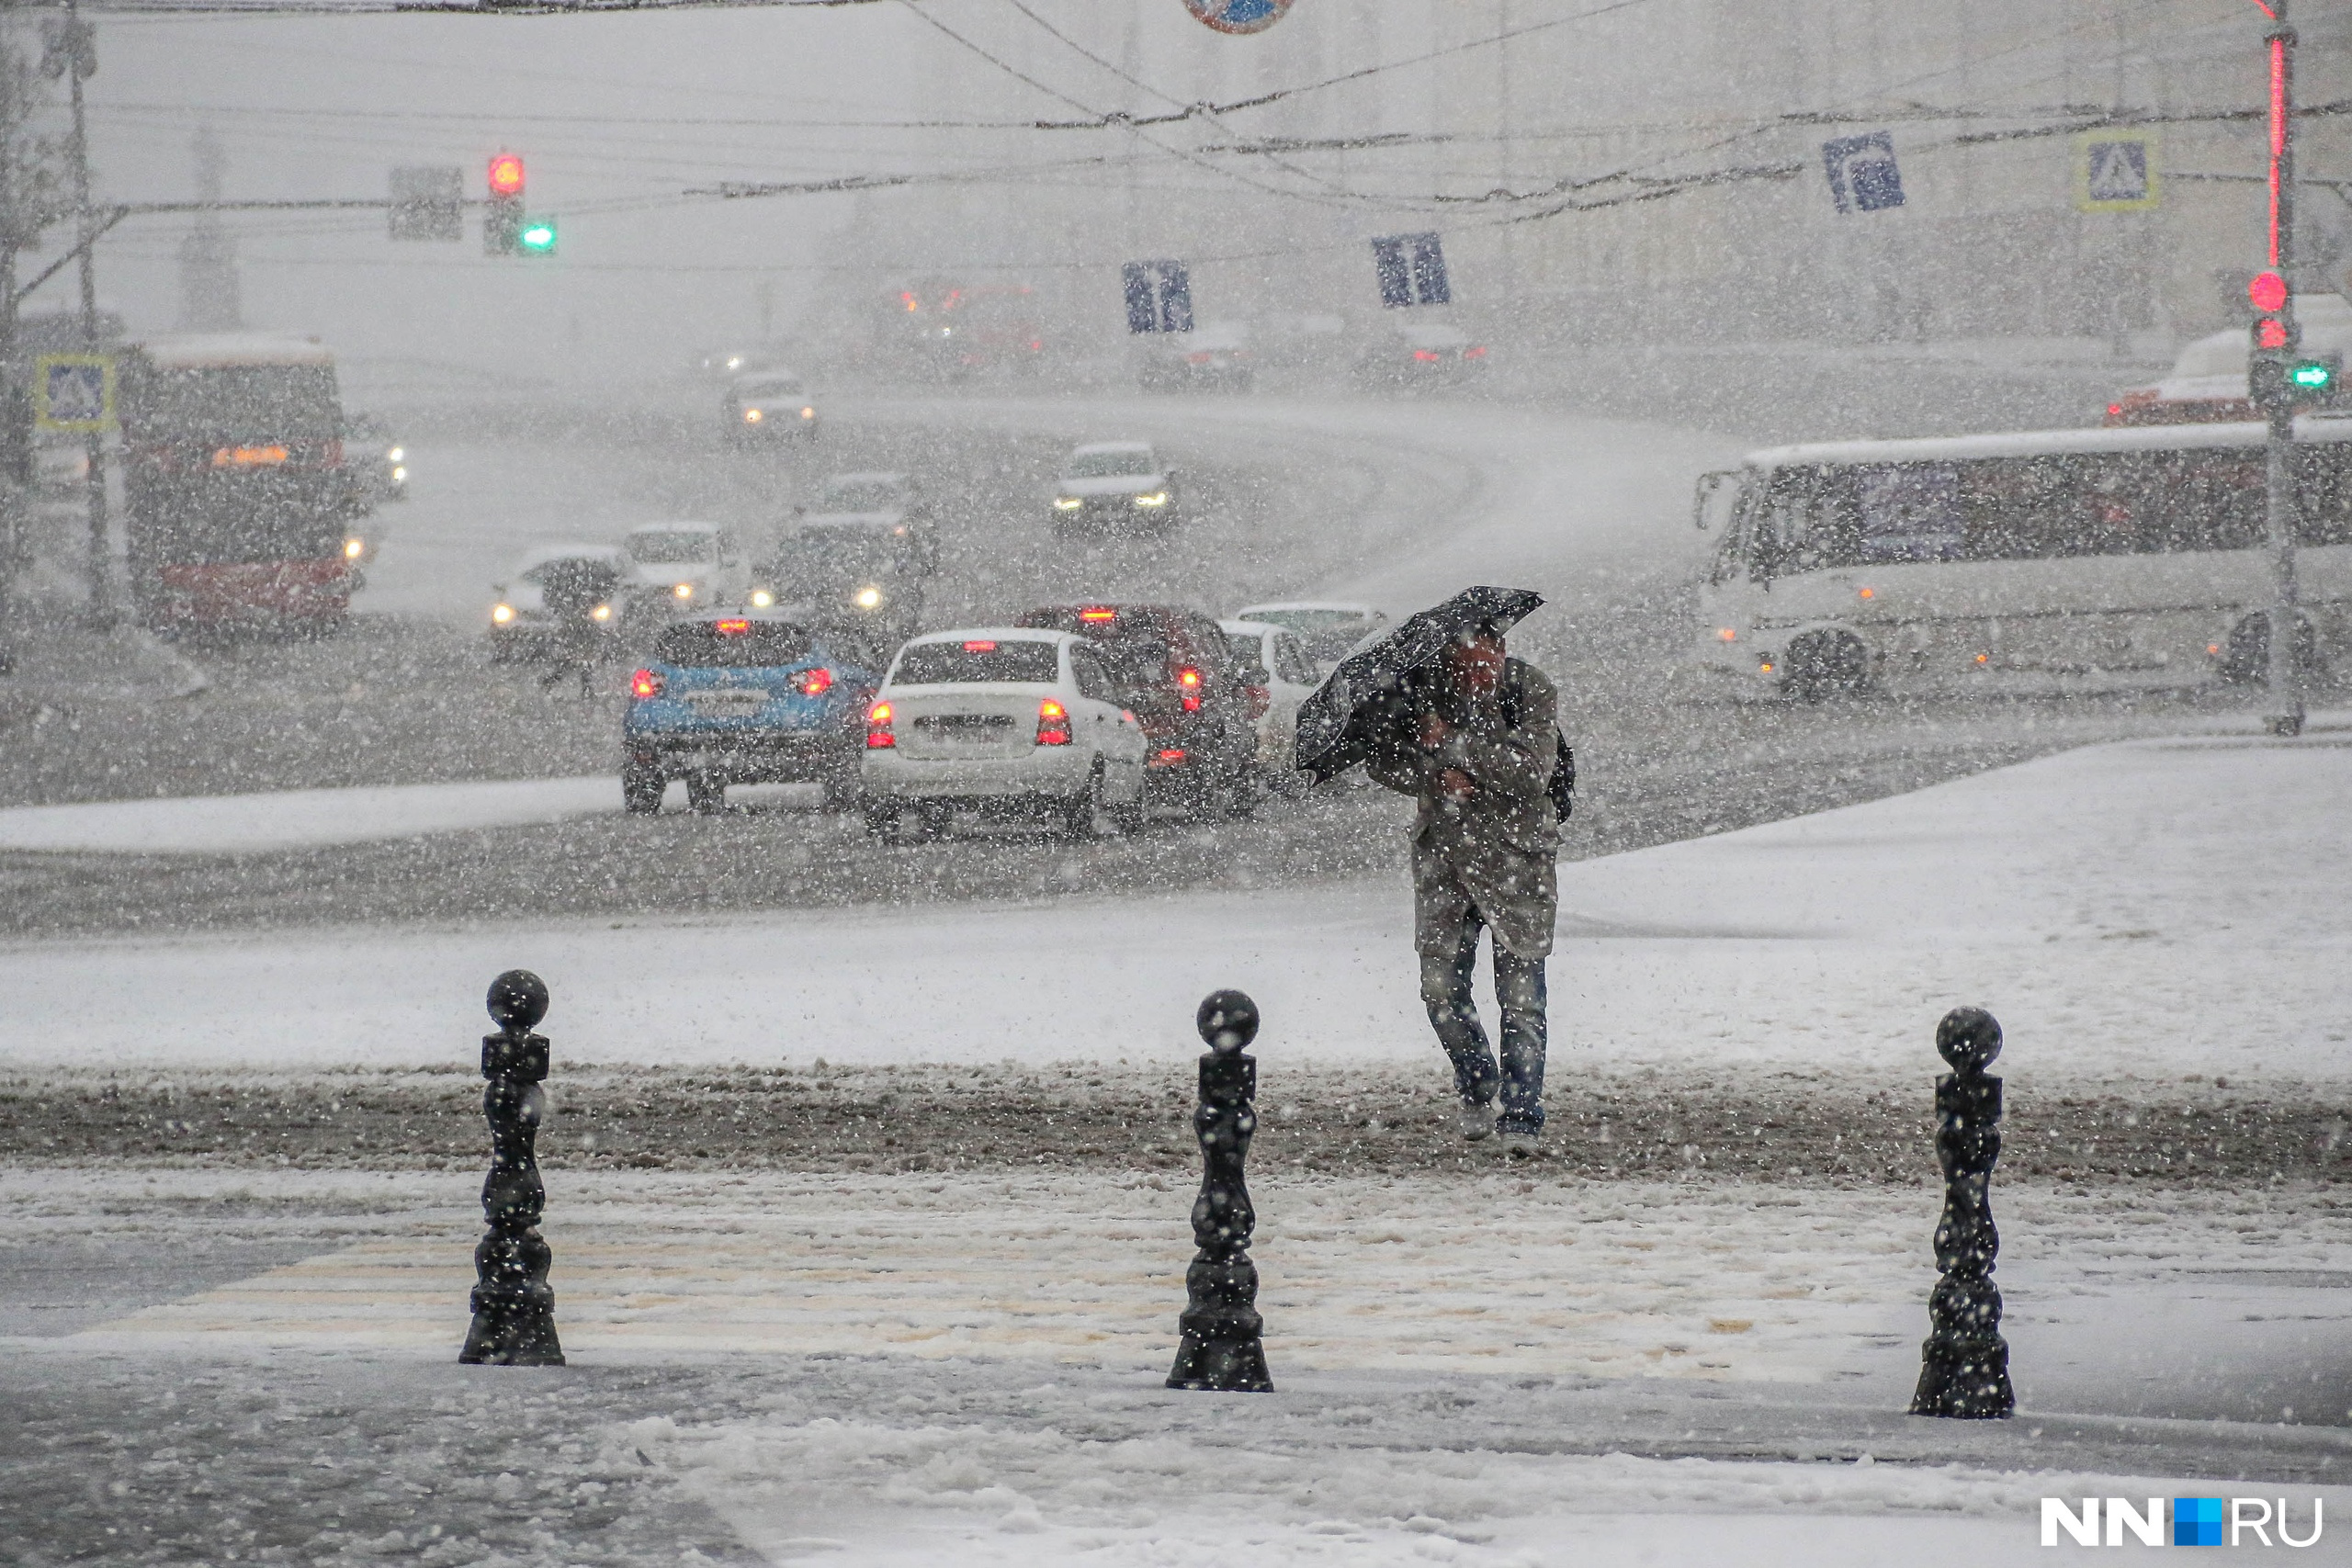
[[2047, 560]]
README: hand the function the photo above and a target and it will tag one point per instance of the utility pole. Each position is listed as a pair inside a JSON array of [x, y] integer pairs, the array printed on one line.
[[2286, 669], [72, 52], [16, 434]]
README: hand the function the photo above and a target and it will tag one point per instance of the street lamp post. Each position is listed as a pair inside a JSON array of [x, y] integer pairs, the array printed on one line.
[[2285, 670]]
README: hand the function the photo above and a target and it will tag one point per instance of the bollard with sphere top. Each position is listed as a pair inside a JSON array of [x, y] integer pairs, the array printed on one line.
[[513, 1309], [1965, 1369], [1222, 1350]]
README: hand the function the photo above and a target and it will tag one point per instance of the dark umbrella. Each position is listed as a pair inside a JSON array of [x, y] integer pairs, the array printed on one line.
[[1360, 709]]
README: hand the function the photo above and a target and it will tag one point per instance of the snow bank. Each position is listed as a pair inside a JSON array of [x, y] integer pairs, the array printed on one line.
[[300, 818], [2155, 907]]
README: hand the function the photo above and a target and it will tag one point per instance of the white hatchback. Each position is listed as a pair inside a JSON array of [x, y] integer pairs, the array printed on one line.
[[1001, 721], [1278, 674]]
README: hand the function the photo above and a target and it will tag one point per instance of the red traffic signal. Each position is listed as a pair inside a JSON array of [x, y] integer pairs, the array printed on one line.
[[506, 175], [2269, 290]]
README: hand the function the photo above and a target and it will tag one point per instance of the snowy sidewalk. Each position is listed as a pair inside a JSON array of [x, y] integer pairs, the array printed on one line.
[[2166, 908], [912, 1370]]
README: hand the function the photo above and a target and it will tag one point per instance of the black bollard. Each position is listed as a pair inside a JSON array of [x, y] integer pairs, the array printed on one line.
[[1221, 1348], [513, 1309], [1965, 1362]]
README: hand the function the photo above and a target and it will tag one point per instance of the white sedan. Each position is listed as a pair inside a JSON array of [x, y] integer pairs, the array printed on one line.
[[1278, 675], [1001, 721], [1330, 631]]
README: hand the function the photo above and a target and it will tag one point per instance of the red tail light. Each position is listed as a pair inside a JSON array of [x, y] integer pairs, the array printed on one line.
[[1053, 723], [880, 735], [1476, 352], [730, 628], [1172, 756], [1428, 356], [1188, 682], [1093, 616], [645, 683], [813, 682], [980, 645]]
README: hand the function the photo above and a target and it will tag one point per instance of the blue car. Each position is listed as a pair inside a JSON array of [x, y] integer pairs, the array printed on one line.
[[748, 698]]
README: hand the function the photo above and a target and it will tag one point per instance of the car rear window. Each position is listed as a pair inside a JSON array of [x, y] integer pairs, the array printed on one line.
[[978, 658], [728, 644]]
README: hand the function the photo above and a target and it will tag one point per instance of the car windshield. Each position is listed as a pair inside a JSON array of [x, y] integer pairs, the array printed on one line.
[[770, 386], [668, 547], [1109, 465], [818, 558], [865, 495], [726, 644], [978, 658]]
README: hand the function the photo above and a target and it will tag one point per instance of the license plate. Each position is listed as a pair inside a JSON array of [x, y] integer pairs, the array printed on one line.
[[966, 726], [730, 705]]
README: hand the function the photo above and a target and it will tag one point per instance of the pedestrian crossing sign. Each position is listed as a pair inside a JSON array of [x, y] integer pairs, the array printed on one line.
[[74, 392], [2115, 171]]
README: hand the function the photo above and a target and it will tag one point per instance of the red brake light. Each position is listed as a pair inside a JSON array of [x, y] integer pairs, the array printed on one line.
[[1169, 758], [1098, 615], [980, 645], [1476, 351], [1428, 354], [1053, 723], [813, 682], [645, 683], [1188, 681], [730, 628], [880, 735]]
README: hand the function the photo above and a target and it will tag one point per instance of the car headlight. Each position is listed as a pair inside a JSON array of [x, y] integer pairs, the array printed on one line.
[[868, 598], [683, 591], [1067, 504], [354, 548], [501, 613], [1157, 497], [761, 598], [601, 613], [752, 416], [397, 455], [401, 475], [807, 413]]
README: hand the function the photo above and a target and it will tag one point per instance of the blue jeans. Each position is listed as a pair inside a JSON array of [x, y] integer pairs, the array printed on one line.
[[1519, 987]]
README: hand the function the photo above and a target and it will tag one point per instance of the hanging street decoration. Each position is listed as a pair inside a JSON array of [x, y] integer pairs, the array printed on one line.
[[1238, 15]]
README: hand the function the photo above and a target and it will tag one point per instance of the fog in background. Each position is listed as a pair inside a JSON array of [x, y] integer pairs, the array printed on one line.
[[1553, 163]]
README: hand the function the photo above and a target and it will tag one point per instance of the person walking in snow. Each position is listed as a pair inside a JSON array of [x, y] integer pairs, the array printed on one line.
[[1476, 744]]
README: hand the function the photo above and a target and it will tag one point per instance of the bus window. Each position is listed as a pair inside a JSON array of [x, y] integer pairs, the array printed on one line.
[[1805, 523], [1910, 512]]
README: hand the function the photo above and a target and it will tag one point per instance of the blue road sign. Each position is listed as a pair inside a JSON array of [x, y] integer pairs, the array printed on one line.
[[1412, 270], [1862, 174], [1160, 295], [1238, 15], [74, 392]]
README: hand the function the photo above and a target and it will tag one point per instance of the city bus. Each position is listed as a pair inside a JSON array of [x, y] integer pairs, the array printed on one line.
[[239, 508], [2043, 561]]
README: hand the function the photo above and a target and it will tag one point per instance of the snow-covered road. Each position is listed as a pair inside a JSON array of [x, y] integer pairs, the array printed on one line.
[[2151, 908]]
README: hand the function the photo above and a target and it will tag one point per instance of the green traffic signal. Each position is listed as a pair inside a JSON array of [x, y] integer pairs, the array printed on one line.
[[537, 237], [2310, 375]]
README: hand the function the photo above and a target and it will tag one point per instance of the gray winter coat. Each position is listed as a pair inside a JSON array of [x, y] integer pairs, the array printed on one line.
[[1499, 849]]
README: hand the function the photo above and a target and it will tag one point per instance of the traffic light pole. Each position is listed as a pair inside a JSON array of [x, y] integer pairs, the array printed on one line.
[[2285, 667]]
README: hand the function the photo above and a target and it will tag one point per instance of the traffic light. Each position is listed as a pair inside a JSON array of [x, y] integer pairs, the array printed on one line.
[[537, 237], [2313, 379], [2267, 379], [502, 223]]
